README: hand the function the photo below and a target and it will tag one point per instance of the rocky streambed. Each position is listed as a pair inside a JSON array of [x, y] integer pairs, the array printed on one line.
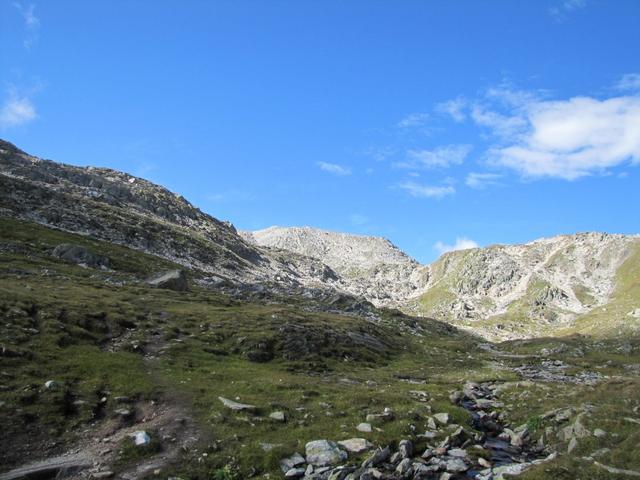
[[487, 450]]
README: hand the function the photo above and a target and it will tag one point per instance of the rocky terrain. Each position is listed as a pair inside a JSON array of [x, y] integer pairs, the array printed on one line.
[[510, 291], [370, 266], [502, 291]]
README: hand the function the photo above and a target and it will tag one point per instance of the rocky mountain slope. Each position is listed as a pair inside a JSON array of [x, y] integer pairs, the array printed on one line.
[[528, 290], [561, 284], [127, 210], [370, 266]]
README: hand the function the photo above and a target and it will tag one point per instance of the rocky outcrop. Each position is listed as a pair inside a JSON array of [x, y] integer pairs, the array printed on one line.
[[546, 282], [371, 267]]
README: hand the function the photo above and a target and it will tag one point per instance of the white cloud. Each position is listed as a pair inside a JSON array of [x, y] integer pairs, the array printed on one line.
[[454, 108], [570, 138], [441, 157], [482, 180], [427, 191], [414, 120], [31, 23], [502, 125], [629, 82], [462, 243], [17, 110], [334, 168]]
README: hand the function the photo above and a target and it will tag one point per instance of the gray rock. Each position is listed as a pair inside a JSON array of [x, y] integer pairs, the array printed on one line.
[[442, 418], [573, 443], [236, 405], [295, 473], [405, 448], [321, 453], [599, 433], [80, 255], [405, 468], [278, 416], [141, 438], [378, 457], [456, 465], [294, 461], [457, 452], [51, 384], [356, 445], [171, 280], [364, 427], [102, 474]]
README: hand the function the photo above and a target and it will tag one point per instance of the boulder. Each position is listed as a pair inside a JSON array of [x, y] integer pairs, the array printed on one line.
[[442, 418], [322, 453], [356, 445], [171, 280], [236, 405], [80, 255]]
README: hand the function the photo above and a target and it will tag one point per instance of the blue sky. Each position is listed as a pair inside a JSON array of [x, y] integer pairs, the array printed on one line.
[[433, 123]]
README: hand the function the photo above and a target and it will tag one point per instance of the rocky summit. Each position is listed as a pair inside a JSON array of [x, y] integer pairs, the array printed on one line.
[[143, 338]]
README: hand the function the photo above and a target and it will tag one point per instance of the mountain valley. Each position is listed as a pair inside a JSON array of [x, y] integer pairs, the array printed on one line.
[[144, 338]]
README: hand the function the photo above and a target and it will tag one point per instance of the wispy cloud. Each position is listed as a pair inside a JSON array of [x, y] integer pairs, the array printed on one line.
[[482, 180], [441, 157], [462, 243], [453, 108], [427, 191], [31, 23], [565, 7], [629, 83], [16, 110], [334, 168], [414, 120]]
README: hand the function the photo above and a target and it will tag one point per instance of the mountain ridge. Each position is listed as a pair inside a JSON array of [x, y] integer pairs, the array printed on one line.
[[500, 291]]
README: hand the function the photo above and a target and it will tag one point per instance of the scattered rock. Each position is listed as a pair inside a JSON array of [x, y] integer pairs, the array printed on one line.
[[236, 405], [278, 416], [442, 418], [364, 427], [321, 453], [356, 445], [291, 462]]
